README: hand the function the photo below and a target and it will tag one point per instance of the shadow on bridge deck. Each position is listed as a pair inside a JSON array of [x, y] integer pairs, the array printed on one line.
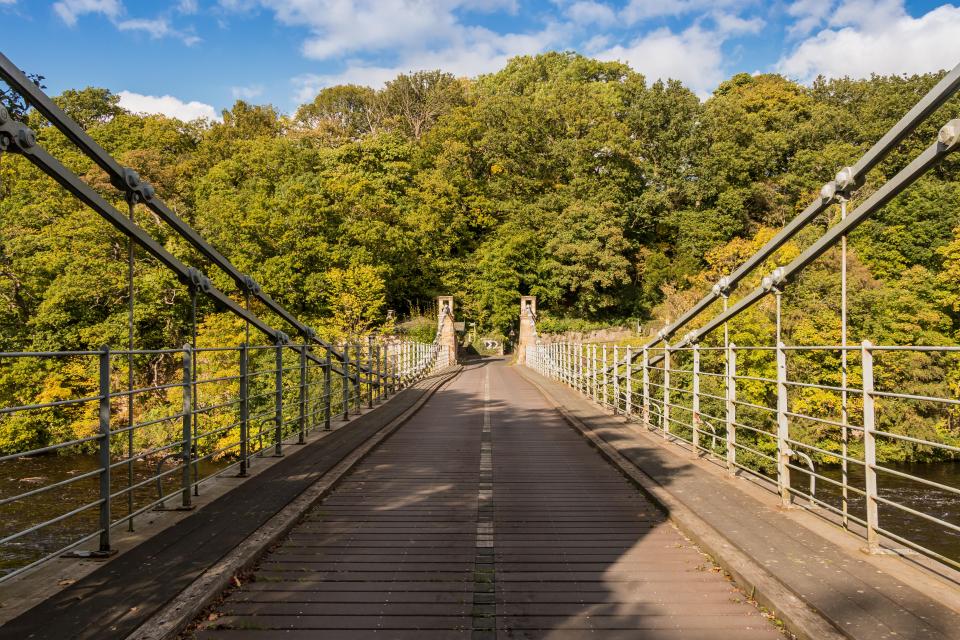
[[813, 562], [485, 516], [117, 598]]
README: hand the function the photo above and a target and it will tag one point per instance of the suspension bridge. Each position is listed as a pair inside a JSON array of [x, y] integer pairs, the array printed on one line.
[[663, 487]]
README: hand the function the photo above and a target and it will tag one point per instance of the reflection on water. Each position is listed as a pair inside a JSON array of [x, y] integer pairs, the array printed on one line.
[[28, 474]]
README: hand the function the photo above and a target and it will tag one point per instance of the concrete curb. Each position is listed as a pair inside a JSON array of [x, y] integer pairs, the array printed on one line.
[[176, 615], [797, 617]]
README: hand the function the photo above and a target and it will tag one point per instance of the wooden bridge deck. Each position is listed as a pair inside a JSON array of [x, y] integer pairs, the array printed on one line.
[[486, 516]]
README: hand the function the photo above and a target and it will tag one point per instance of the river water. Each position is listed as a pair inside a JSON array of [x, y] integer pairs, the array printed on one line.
[[27, 474], [932, 501]]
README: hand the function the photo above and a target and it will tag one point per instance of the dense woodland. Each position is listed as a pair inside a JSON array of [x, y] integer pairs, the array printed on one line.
[[609, 197]]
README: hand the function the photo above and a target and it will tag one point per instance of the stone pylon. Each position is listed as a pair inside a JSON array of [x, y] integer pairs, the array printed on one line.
[[528, 327], [446, 331]]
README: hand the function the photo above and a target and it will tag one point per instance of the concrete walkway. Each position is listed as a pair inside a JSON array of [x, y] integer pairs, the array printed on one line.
[[486, 516]]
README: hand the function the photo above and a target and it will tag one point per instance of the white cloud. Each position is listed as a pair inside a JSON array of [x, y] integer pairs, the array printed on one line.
[[693, 56], [587, 12], [728, 24], [374, 40], [809, 15], [70, 10], [8, 1], [338, 29], [481, 51], [246, 93], [877, 37], [157, 28], [166, 105], [638, 10]]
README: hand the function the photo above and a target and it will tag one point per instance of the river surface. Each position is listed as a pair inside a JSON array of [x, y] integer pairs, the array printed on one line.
[[932, 501], [27, 474]]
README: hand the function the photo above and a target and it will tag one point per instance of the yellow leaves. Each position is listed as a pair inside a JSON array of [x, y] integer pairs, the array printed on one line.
[[496, 169]]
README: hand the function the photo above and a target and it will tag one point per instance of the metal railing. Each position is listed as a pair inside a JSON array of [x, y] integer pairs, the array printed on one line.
[[227, 408], [825, 453], [819, 423]]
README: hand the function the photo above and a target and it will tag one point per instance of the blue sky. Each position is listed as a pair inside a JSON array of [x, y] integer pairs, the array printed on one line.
[[192, 58]]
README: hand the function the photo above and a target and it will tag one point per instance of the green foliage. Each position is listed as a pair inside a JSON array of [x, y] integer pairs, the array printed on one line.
[[572, 179]]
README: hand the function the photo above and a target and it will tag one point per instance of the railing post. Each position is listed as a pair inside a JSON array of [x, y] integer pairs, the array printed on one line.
[[695, 421], [391, 368], [376, 366], [358, 403], [346, 381], [606, 393], [575, 365], [870, 448], [278, 401], [187, 423], [302, 437], [592, 371], [244, 410], [783, 428], [645, 365], [327, 392], [374, 381], [665, 411], [628, 399], [616, 379], [104, 450], [383, 369], [731, 407]]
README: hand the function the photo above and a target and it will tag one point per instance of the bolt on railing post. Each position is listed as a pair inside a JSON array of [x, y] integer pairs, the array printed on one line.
[[327, 392], [870, 448], [104, 449], [645, 365], [346, 381], [278, 401], [187, 422], [244, 410], [783, 428], [302, 437], [665, 411], [695, 416], [616, 379], [731, 393], [628, 400]]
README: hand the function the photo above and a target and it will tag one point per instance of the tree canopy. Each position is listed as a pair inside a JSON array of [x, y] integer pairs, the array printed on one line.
[[607, 196]]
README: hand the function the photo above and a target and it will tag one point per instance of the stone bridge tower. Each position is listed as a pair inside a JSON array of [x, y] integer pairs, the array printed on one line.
[[446, 330], [528, 327]]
